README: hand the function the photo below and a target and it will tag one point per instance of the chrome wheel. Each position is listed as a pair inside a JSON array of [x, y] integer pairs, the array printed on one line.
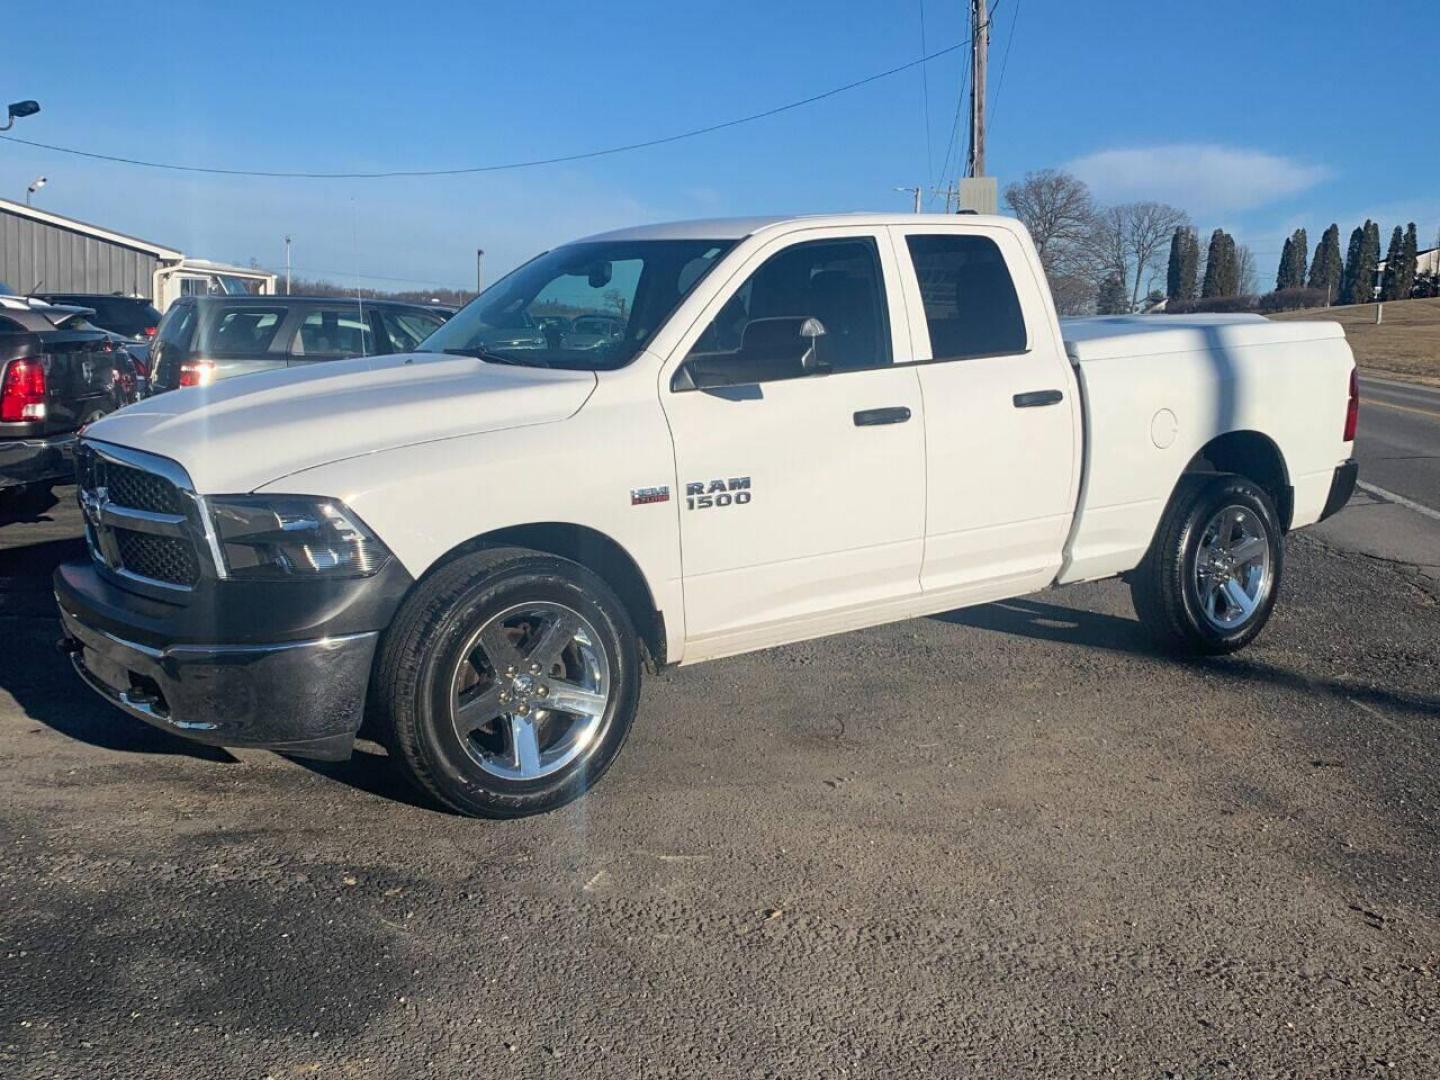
[[530, 691], [1233, 573]]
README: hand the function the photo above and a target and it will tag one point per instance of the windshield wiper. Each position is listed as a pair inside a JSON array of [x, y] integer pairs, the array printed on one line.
[[490, 357]]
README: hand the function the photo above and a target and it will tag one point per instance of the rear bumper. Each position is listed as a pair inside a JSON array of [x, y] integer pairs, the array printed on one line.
[[37, 461], [1342, 486], [297, 697]]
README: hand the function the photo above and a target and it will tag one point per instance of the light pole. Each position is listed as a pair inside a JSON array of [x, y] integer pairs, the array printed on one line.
[[913, 191], [479, 271], [287, 264], [35, 185], [18, 109]]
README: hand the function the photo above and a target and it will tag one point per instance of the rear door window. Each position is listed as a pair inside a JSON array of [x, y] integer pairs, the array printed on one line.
[[970, 302], [236, 330], [333, 333]]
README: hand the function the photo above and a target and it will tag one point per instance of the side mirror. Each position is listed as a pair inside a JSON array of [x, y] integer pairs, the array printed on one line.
[[811, 331], [776, 342]]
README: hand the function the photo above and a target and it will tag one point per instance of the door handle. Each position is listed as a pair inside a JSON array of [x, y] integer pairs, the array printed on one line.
[[1038, 397], [895, 414]]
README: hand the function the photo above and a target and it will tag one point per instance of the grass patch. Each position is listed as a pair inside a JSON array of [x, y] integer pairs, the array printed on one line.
[[1405, 344]]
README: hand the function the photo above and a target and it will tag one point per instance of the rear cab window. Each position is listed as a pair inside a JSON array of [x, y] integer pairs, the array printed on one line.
[[971, 306]]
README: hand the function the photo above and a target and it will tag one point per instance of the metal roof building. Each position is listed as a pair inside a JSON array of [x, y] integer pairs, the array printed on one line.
[[45, 252]]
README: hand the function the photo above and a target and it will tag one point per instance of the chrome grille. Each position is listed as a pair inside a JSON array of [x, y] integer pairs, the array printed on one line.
[[141, 490], [138, 518], [160, 558]]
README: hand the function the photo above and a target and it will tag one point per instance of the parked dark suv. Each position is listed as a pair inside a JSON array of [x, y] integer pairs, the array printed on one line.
[[206, 338], [131, 317]]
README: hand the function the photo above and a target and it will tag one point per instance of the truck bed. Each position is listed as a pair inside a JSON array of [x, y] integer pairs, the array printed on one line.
[[1156, 390], [1107, 337]]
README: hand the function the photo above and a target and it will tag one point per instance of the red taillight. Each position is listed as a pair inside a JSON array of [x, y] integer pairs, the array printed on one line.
[[149, 331], [1352, 411], [22, 394], [141, 364], [196, 373]]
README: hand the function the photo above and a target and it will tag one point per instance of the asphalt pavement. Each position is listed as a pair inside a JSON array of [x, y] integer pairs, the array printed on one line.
[[1399, 439], [1395, 514], [1008, 841]]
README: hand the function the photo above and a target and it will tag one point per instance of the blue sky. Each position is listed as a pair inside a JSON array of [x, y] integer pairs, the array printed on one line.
[[1246, 114]]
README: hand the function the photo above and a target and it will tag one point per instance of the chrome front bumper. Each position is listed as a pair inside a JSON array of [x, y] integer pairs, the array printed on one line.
[[37, 461], [304, 698]]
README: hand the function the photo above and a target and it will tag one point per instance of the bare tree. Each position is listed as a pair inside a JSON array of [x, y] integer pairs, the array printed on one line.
[[1244, 270], [1147, 228], [1056, 208]]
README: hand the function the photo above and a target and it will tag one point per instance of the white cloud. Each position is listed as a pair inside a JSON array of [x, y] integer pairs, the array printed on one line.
[[1203, 179]]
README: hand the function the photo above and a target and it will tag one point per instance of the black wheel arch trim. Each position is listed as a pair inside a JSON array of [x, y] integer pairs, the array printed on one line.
[[599, 553]]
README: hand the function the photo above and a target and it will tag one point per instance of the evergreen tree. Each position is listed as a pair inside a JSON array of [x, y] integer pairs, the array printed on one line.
[[1371, 265], [1111, 299], [1349, 294], [1219, 268], [1176, 265], [1410, 256], [1393, 280], [1285, 276], [1292, 262], [1189, 269], [1230, 284], [1326, 270], [1180, 274]]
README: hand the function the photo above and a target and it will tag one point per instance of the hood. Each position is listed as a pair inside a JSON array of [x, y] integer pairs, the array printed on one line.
[[253, 429]]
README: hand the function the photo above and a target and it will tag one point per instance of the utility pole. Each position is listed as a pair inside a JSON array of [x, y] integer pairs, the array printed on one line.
[[287, 264], [479, 270], [951, 194], [979, 54]]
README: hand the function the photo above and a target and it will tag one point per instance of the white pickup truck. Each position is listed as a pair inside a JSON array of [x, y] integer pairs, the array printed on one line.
[[789, 428]]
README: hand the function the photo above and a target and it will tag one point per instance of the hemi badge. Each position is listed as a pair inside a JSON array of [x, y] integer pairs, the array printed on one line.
[[641, 496]]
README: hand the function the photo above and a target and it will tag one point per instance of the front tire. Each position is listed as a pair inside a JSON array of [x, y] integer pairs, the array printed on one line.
[[508, 682], [1212, 575]]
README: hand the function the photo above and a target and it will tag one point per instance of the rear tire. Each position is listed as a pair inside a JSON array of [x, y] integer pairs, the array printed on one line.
[[1212, 575], [508, 682]]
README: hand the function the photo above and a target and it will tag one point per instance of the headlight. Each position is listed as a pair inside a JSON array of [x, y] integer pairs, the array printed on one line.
[[274, 537]]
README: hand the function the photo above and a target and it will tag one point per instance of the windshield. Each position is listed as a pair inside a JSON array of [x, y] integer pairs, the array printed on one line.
[[590, 306]]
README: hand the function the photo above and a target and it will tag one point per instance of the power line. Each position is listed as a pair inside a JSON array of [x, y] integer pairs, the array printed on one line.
[[1005, 61], [925, 85], [944, 178], [470, 169]]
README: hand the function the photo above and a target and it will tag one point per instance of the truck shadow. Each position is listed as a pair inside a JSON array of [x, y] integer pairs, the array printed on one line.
[[27, 507], [372, 772], [40, 679], [47, 690], [1042, 621]]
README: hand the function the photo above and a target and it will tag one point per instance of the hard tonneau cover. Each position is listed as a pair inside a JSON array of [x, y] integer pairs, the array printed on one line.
[[1109, 336]]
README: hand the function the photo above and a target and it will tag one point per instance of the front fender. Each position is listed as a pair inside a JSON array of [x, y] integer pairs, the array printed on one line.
[[425, 500]]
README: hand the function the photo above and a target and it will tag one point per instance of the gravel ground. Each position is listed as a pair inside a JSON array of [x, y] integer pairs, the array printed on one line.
[[1007, 841]]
